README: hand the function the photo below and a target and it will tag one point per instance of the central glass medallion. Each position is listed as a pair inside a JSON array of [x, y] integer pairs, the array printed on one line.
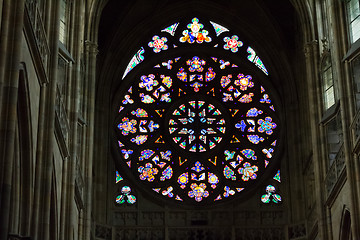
[[197, 126]]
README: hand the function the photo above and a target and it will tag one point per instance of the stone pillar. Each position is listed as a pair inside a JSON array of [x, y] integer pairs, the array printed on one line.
[[90, 62], [40, 228], [10, 51], [70, 214], [4, 38], [312, 80]]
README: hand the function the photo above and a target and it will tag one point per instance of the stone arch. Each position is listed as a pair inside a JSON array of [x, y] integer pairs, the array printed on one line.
[[345, 225], [23, 163]]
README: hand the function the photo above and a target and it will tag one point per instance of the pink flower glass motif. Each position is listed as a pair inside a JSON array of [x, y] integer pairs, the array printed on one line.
[[232, 43], [198, 192], [158, 44]]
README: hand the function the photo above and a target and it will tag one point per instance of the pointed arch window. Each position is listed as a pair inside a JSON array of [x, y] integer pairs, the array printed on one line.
[[356, 78], [332, 115], [345, 226]]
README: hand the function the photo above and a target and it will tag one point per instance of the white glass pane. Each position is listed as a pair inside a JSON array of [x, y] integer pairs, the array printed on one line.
[[329, 97], [62, 30], [328, 79], [355, 29], [353, 9], [63, 10], [62, 34]]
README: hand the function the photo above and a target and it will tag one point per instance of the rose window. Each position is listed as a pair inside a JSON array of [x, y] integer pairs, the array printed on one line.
[[198, 129]]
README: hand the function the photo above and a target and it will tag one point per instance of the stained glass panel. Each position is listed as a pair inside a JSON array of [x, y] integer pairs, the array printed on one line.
[[199, 128]]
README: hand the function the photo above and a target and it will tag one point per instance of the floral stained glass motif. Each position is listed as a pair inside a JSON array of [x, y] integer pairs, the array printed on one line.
[[244, 82], [125, 196], [126, 153], [228, 192], [168, 192], [147, 172], [197, 126], [148, 82], [266, 125], [200, 104], [158, 44], [183, 180], [198, 191], [196, 64], [158, 86], [213, 180], [216, 121], [248, 171], [127, 126], [232, 43], [271, 195], [195, 34]]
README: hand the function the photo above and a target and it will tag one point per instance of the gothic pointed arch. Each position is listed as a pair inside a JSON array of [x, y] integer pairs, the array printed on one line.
[[23, 164], [345, 225]]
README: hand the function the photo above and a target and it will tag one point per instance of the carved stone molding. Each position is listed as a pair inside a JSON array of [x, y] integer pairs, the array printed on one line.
[[91, 47], [309, 47], [325, 46]]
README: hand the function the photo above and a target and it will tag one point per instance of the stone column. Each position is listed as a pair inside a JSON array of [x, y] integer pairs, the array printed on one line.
[[10, 51], [70, 213], [90, 62], [4, 38], [40, 228], [312, 79]]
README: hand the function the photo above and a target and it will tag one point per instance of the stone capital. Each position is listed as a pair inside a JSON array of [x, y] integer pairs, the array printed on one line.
[[310, 47], [91, 47]]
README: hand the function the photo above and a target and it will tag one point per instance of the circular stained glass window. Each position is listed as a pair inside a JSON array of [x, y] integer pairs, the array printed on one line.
[[197, 129]]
